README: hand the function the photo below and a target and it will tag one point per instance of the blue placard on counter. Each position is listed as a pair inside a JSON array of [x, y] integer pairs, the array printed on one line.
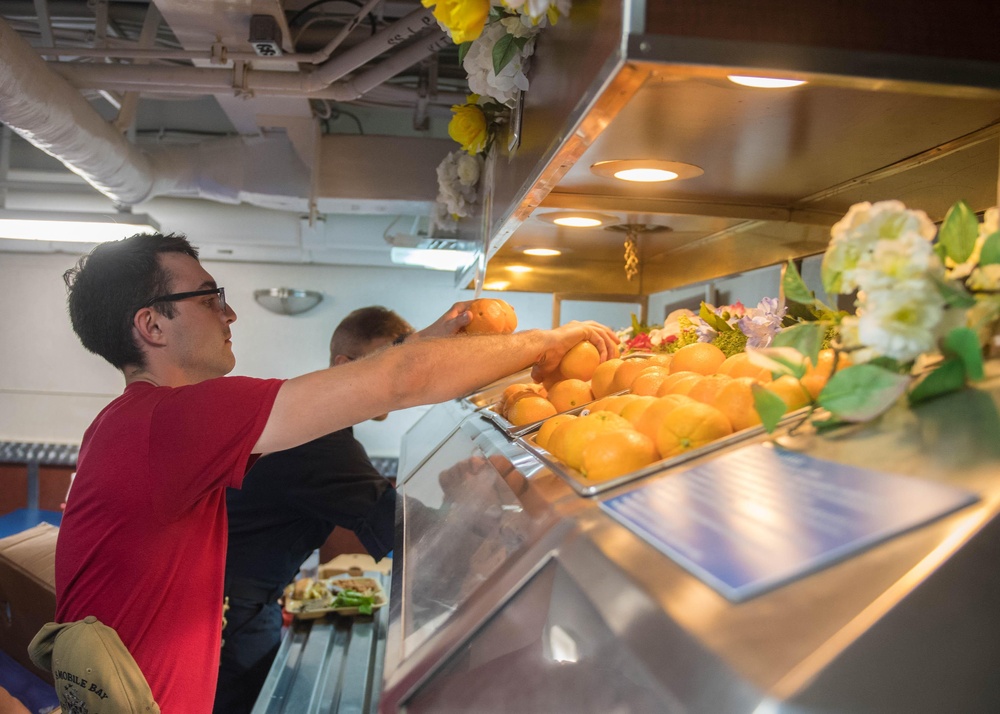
[[760, 516]]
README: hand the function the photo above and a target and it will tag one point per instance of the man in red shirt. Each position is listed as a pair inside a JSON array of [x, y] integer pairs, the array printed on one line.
[[143, 539]]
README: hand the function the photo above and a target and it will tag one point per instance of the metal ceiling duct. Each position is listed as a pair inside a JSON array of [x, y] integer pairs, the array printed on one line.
[[48, 112]]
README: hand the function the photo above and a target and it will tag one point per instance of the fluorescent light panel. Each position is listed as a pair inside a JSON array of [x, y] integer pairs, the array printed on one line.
[[73, 227], [433, 258]]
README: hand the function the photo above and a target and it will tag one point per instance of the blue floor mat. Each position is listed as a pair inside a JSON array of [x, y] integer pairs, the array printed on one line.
[[32, 691]]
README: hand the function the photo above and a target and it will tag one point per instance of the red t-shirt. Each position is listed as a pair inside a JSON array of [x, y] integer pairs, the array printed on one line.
[[142, 545]]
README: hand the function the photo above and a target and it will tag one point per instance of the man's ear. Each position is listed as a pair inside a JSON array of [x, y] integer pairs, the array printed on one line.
[[147, 325], [339, 360]]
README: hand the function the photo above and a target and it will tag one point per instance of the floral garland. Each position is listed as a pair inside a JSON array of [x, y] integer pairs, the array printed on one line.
[[496, 38], [927, 306], [731, 328]]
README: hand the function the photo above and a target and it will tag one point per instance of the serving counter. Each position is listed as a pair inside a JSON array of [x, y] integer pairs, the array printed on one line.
[[514, 592]]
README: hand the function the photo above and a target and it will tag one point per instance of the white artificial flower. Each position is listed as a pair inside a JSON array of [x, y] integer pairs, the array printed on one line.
[[519, 26], [900, 324], [895, 263], [478, 64], [458, 179], [854, 237]]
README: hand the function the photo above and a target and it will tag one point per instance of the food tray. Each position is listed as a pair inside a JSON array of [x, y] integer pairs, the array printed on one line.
[[305, 610], [490, 394], [586, 487]]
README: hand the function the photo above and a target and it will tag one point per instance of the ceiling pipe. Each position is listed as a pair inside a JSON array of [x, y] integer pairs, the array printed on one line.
[[53, 116], [215, 55]]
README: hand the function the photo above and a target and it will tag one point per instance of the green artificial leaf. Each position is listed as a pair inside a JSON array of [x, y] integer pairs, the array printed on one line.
[[822, 425], [497, 13], [506, 49], [779, 360], [806, 338], [862, 392], [770, 407], [962, 343], [637, 327], [990, 254], [954, 293], [949, 376], [503, 52], [794, 287], [940, 251], [463, 50], [712, 320], [959, 231]]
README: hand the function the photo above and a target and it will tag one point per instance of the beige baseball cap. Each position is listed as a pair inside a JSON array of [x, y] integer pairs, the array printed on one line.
[[93, 670]]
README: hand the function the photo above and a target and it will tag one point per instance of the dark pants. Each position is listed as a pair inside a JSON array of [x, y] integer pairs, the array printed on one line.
[[251, 639]]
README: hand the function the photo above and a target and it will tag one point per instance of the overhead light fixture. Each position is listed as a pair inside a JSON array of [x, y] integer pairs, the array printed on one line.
[[519, 268], [73, 226], [577, 219], [542, 252], [646, 170], [432, 258], [496, 285], [765, 82], [287, 301]]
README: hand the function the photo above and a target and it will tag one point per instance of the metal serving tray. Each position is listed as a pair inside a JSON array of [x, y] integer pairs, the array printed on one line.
[[585, 487]]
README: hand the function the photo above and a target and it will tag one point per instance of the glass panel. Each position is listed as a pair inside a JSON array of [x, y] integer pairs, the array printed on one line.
[[462, 520], [547, 650]]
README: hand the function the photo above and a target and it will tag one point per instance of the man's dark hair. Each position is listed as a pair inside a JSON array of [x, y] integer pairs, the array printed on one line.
[[109, 285], [358, 329]]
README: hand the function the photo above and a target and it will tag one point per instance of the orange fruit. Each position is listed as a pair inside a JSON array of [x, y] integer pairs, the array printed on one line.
[[735, 400], [510, 316], [672, 379], [530, 409], [650, 420], [705, 388], [617, 452], [816, 376], [790, 390], [649, 380], [489, 315], [580, 361], [568, 394], [612, 403], [679, 386], [739, 365], [569, 439], [627, 371], [548, 426], [689, 427], [635, 408], [600, 381], [516, 389], [660, 359], [700, 357]]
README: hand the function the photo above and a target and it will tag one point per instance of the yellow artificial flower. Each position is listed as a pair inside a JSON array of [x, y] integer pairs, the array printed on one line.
[[468, 127], [464, 19]]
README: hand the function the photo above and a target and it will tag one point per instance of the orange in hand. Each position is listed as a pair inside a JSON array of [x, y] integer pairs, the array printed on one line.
[[490, 316], [580, 361]]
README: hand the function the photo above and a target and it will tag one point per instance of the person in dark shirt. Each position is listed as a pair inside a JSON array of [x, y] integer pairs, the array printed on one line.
[[290, 503]]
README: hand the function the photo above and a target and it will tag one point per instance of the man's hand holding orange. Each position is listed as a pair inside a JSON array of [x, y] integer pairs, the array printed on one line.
[[568, 336]]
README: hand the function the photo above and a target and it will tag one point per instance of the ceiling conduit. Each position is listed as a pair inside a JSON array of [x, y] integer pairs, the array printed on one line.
[[52, 115]]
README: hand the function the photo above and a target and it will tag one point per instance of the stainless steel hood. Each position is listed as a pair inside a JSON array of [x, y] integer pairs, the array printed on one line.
[[901, 102]]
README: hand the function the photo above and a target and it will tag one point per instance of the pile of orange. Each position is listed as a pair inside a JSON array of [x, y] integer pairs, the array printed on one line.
[[673, 404]]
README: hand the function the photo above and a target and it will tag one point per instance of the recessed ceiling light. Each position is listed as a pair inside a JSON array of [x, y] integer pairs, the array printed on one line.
[[765, 82], [542, 252], [646, 170], [577, 219], [519, 268], [496, 285]]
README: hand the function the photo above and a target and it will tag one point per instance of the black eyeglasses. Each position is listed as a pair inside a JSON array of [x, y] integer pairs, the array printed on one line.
[[221, 292]]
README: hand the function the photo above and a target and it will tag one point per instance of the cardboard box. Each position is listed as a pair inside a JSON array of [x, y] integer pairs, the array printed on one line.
[[27, 590]]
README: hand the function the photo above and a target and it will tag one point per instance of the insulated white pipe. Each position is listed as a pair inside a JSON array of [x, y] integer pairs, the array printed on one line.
[[54, 117]]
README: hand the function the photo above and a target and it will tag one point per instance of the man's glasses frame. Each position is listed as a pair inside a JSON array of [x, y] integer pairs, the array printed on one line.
[[221, 292]]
